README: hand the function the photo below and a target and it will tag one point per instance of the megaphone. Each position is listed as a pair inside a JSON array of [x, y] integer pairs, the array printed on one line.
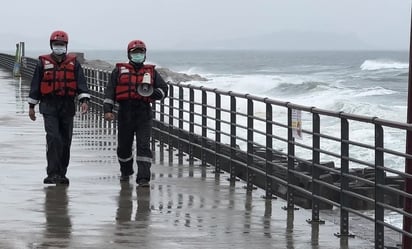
[[145, 88]]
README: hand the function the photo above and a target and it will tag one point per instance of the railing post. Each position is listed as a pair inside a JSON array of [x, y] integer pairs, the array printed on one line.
[[153, 144], [250, 127], [315, 169], [17, 60], [99, 88], [179, 144], [269, 147], [232, 138], [112, 124], [407, 204], [204, 127], [191, 123], [161, 133], [344, 182], [218, 117], [379, 193], [291, 165], [171, 123]]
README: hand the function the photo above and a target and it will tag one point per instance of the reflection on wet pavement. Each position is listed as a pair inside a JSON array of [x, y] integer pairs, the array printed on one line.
[[58, 228], [186, 205]]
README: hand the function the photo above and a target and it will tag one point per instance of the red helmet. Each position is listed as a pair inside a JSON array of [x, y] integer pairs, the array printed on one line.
[[59, 36], [136, 44]]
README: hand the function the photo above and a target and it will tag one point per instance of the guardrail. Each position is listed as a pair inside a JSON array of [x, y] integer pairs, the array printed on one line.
[[253, 139]]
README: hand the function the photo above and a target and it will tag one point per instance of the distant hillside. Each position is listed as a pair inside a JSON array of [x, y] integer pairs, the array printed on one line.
[[285, 40]]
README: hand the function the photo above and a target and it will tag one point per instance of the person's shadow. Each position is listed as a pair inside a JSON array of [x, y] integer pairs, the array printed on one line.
[[58, 226]]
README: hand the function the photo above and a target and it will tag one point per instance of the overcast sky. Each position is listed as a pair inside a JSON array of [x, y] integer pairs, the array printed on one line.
[[163, 24]]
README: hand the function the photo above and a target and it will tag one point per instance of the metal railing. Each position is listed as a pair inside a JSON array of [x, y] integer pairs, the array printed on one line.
[[252, 138]]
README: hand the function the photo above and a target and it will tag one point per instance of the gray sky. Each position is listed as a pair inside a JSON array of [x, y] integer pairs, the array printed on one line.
[[165, 24]]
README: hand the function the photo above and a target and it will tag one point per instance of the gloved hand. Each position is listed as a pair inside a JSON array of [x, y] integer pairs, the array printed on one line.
[[157, 94]]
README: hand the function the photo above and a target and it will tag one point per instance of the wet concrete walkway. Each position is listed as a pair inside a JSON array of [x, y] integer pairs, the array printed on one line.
[[185, 207]]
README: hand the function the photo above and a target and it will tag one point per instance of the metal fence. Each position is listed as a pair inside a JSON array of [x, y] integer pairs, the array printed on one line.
[[254, 138]]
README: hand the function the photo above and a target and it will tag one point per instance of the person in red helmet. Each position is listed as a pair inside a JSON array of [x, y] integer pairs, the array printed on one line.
[[57, 80], [134, 86]]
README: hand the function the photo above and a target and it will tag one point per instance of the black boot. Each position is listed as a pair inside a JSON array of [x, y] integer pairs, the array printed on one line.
[[63, 180], [50, 179], [143, 183], [124, 178]]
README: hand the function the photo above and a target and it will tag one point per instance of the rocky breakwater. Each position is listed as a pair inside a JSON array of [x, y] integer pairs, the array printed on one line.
[[167, 74]]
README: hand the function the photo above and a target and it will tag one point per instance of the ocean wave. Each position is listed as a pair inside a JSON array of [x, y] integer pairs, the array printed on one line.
[[333, 89], [383, 64], [368, 109], [303, 87], [402, 74], [373, 91]]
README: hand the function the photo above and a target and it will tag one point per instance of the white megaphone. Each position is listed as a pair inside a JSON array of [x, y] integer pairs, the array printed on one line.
[[145, 88]]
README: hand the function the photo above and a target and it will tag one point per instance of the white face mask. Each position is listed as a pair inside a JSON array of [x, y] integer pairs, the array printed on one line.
[[59, 49]]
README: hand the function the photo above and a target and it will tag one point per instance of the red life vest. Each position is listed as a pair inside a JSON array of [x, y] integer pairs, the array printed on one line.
[[129, 79], [58, 79]]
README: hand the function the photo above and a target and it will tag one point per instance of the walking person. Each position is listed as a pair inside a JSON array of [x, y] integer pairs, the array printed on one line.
[[134, 86], [57, 80]]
